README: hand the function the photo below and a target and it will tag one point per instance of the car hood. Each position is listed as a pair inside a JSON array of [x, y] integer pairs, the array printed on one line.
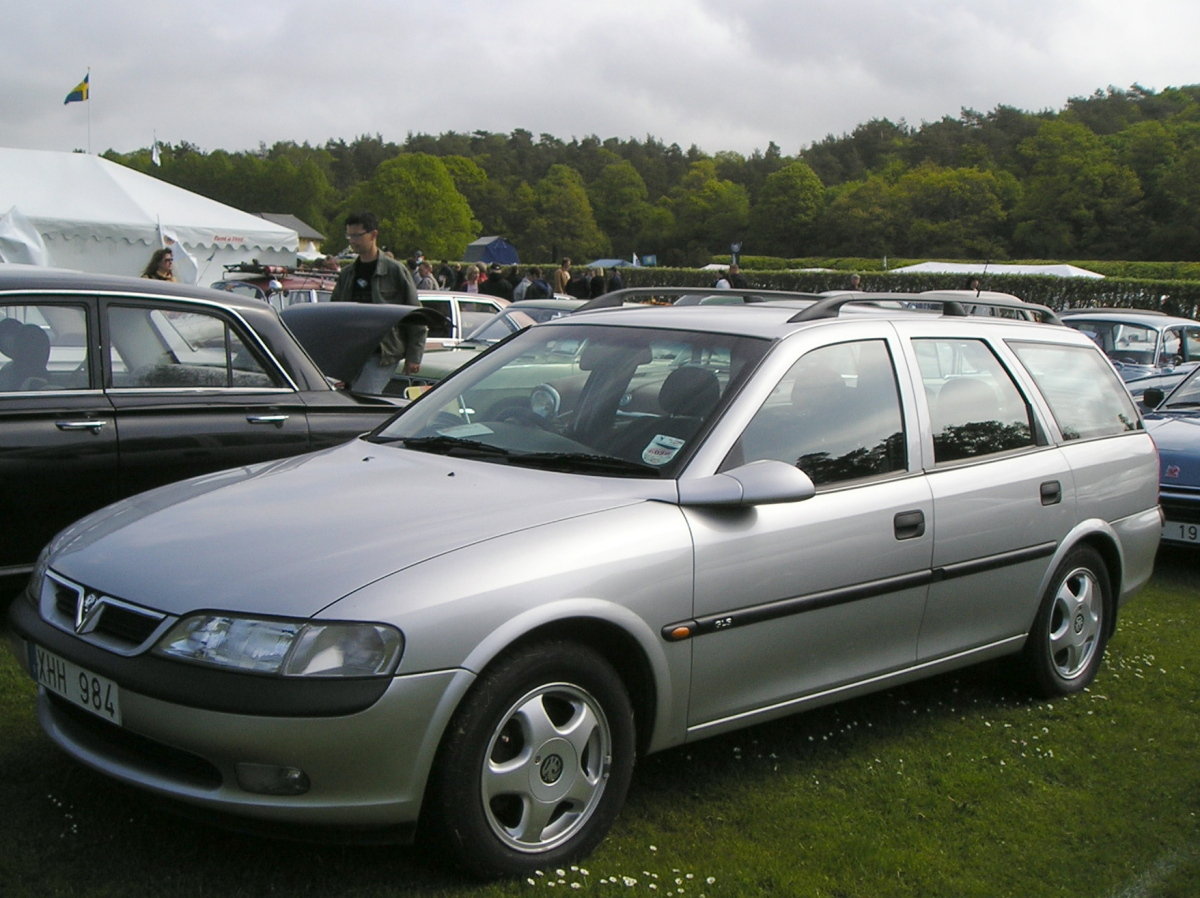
[[340, 336], [1178, 440], [292, 536]]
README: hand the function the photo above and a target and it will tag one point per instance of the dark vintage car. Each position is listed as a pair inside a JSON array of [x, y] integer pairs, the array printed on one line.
[[110, 386]]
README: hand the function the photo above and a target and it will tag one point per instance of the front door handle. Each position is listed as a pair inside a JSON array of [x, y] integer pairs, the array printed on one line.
[[92, 424], [909, 524], [1051, 492]]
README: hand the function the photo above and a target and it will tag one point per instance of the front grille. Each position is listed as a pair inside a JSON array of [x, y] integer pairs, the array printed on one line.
[[101, 619]]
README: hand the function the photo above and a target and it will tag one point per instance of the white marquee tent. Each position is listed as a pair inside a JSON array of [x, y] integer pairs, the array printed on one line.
[[981, 268], [71, 210]]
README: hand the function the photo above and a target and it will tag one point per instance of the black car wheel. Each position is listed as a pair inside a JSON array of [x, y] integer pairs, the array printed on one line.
[[535, 764], [1066, 644]]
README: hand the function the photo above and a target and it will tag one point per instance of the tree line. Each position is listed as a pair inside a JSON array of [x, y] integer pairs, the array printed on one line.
[[1114, 175]]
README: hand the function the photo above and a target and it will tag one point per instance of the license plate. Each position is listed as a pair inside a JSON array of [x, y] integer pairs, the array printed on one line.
[[79, 686], [1178, 531]]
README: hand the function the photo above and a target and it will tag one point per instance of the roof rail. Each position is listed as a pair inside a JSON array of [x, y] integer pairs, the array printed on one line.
[[831, 306]]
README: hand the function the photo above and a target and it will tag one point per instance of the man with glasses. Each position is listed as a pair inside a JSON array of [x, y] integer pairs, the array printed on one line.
[[375, 277]]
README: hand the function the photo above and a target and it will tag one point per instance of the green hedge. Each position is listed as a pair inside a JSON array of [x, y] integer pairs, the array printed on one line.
[[1150, 271], [1176, 297]]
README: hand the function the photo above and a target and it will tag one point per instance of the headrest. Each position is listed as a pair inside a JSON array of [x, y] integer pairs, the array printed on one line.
[[689, 392]]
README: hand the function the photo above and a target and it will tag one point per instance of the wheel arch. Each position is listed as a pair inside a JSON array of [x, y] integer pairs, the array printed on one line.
[[1098, 536], [625, 653]]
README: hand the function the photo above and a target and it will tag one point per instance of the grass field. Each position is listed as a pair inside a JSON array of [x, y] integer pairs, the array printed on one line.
[[959, 786]]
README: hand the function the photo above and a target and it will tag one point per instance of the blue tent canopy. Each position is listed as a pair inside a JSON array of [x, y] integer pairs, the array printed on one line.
[[491, 250]]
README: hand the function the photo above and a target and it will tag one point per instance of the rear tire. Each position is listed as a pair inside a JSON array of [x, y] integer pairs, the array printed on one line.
[[1067, 640], [535, 764]]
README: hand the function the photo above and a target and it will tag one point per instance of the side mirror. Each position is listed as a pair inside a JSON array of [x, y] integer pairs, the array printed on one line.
[[764, 482], [1152, 398]]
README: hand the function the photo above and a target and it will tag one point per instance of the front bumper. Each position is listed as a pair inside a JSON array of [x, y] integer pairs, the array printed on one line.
[[365, 770]]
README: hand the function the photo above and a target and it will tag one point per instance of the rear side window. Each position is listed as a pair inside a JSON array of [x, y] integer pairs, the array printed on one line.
[[1085, 394], [43, 346], [975, 407]]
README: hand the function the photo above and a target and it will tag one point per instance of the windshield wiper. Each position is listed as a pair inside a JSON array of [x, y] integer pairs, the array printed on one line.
[[577, 462], [456, 447], [581, 462]]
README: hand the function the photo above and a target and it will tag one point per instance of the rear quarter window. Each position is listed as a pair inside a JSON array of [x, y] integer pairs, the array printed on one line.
[[1084, 393]]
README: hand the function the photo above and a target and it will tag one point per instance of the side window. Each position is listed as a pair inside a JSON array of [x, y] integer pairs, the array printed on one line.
[[974, 406], [835, 415], [474, 313], [1172, 346], [166, 348], [1085, 395], [43, 347]]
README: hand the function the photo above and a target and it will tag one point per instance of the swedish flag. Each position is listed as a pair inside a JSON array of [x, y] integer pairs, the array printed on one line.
[[80, 92]]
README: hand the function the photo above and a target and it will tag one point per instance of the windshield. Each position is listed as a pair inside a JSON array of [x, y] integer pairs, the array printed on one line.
[[1187, 394], [1124, 342], [591, 399]]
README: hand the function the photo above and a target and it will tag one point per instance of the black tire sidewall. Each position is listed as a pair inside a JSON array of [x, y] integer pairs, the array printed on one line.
[[454, 820]]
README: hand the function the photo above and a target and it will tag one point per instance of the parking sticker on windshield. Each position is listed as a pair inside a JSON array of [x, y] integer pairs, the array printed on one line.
[[661, 449]]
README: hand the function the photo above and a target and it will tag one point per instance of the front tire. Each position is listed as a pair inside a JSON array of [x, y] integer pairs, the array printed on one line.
[[1066, 644], [535, 764]]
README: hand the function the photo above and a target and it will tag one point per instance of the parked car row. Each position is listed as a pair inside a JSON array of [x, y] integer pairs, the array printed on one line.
[[616, 531]]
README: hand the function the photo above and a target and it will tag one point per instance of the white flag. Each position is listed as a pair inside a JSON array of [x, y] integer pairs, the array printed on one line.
[[154, 155]]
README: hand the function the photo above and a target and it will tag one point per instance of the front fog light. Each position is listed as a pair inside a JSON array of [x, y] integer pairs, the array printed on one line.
[[271, 779]]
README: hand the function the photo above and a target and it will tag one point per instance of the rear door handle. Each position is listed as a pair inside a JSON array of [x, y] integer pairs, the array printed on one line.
[[909, 524], [1051, 492], [277, 420]]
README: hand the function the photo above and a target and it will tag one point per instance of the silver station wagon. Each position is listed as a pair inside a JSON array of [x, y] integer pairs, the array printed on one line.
[[466, 625]]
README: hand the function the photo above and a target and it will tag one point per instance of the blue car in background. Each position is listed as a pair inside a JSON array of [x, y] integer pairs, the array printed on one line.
[[1175, 426], [1150, 350]]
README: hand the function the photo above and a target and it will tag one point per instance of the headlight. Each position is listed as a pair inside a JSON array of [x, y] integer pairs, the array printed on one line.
[[285, 648]]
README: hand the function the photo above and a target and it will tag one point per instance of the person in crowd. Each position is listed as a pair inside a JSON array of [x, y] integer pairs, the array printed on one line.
[[497, 284], [375, 277], [161, 265], [532, 286], [470, 280], [736, 278], [596, 285], [855, 282], [614, 280], [562, 276], [722, 281], [972, 283], [425, 279]]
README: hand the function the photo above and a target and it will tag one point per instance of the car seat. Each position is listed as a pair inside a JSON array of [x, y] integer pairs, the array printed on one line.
[[686, 397]]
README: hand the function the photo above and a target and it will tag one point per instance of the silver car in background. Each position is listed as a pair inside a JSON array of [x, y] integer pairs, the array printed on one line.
[[466, 625]]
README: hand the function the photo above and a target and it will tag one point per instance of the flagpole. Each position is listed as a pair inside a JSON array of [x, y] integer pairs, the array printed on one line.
[[89, 107]]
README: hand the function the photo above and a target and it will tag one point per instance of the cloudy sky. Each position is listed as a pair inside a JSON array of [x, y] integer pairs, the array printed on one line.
[[720, 74]]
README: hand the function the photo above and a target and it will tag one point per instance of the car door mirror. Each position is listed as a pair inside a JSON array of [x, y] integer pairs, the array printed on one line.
[[763, 482], [1152, 398]]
